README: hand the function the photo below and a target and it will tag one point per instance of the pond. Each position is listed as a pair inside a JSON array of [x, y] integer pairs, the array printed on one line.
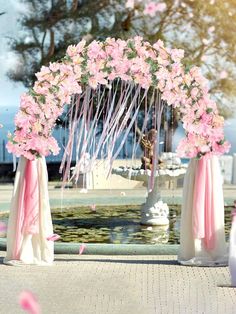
[[117, 224]]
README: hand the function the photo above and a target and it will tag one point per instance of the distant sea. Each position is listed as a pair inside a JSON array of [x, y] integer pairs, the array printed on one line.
[[7, 119]]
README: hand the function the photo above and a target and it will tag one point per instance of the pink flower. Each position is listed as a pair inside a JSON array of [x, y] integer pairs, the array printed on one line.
[[44, 72], [206, 118], [221, 148], [177, 54], [194, 92], [217, 121], [204, 149], [73, 50], [95, 50], [159, 44], [152, 8]]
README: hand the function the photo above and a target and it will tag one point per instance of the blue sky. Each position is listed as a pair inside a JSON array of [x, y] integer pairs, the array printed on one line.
[[9, 91]]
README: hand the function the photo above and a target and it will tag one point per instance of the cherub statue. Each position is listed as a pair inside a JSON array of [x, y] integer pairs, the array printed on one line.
[[147, 144]]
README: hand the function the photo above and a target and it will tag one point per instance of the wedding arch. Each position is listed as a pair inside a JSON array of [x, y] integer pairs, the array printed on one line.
[[124, 76], [99, 63]]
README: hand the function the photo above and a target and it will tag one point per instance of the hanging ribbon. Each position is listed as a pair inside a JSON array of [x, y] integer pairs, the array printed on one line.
[[28, 206], [203, 219]]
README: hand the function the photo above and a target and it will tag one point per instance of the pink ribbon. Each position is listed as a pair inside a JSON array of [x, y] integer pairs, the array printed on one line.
[[28, 206], [203, 205]]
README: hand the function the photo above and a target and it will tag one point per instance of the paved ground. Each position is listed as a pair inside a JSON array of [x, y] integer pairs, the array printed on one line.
[[119, 285]]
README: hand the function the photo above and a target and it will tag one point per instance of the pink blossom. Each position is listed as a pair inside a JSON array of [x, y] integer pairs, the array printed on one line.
[[159, 44], [204, 149], [206, 118], [217, 121], [177, 54], [74, 50], [194, 92], [128, 60], [152, 8], [95, 50], [44, 72]]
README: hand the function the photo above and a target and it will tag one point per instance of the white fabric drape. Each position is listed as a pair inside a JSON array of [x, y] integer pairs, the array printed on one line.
[[192, 250], [35, 248]]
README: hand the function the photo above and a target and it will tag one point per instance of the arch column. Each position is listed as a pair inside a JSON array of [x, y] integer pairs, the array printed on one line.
[[30, 222]]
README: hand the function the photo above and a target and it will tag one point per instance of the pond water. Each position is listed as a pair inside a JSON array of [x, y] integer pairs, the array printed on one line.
[[117, 224]]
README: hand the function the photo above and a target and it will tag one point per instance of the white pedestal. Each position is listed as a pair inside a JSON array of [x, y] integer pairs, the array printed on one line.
[[154, 212]]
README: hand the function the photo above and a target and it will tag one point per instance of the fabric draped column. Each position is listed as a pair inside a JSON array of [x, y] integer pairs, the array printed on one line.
[[202, 234], [30, 221]]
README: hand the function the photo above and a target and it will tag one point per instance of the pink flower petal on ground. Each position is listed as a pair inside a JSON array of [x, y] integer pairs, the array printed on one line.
[[93, 207], [3, 226], [82, 248], [53, 237], [29, 303]]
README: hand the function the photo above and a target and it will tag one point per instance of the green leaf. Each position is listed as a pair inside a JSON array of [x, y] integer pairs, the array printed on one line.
[[42, 99]]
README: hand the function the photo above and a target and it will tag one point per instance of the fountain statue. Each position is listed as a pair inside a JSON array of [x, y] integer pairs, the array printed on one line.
[[169, 167]]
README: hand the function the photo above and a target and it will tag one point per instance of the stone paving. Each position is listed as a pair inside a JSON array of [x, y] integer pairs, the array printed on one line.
[[119, 285]]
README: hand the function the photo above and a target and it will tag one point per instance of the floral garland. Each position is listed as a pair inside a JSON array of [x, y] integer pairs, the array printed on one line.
[[100, 63]]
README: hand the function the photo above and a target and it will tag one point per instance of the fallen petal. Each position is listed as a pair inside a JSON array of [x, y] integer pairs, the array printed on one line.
[[53, 237], [29, 303], [93, 207], [82, 248], [3, 226]]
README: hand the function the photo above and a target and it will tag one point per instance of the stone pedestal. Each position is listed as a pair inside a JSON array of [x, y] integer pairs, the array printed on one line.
[[154, 212]]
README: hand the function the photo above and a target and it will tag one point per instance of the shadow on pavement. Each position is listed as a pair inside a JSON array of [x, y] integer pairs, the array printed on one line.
[[121, 261]]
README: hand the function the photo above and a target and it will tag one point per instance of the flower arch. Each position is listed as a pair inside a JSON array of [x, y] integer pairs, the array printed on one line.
[[99, 64], [138, 66]]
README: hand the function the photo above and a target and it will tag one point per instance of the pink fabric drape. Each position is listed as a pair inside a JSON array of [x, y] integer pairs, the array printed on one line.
[[28, 210], [203, 205]]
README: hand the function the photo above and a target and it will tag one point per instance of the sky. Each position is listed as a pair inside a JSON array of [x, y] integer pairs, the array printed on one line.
[[9, 91]]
